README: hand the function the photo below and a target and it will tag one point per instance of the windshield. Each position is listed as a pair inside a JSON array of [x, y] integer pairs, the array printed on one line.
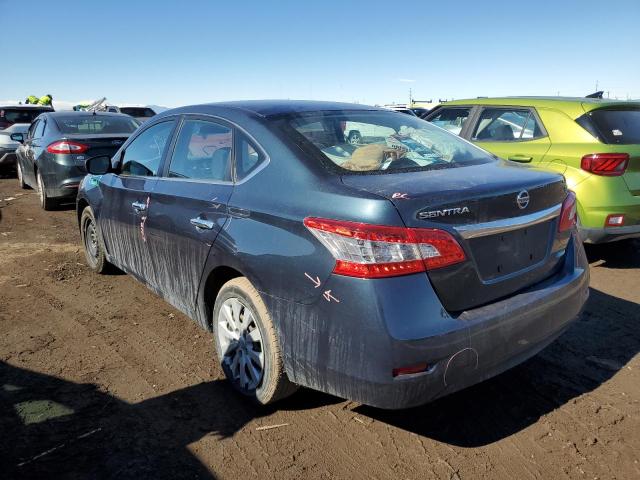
[[618, 126], [96, 124], [137, 111], [378, 141]]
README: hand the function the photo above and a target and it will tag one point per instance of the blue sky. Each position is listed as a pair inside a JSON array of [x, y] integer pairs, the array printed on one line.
[[176, 53]]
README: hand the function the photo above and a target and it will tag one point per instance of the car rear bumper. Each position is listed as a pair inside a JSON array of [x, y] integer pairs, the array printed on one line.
[[609, 234], [350, 348], [63, 183]]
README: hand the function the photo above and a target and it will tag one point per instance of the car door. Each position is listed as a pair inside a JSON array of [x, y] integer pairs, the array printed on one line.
[[126, 199], [188, 207], [24, 157], [512, 133], [37, 147]]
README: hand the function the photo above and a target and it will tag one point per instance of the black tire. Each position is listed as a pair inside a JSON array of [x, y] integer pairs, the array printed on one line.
[[274, 384], [21, 182], [46, 202], [92, 243]]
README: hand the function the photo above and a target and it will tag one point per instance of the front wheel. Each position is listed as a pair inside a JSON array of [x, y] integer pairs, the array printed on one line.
[[247, 345], [46, 202], [93, 248]]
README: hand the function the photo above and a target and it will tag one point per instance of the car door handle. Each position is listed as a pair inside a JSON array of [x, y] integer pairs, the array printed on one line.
[[139, 206], [520, 158], [202, 223]]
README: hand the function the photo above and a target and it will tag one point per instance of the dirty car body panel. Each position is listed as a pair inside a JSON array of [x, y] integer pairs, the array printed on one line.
[[339, 333]]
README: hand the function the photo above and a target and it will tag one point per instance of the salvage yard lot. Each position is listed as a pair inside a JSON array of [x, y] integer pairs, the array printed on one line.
[[100, 378]]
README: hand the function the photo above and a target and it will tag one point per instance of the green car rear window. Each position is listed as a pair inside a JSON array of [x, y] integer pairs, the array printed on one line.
[[613, 126]]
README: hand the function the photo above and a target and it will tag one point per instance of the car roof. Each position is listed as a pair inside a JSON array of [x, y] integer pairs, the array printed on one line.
[[71, 113], [27, 106], [266, 108], [576, 105]]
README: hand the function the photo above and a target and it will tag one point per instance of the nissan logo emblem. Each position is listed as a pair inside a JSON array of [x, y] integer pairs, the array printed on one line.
[[523, 199]]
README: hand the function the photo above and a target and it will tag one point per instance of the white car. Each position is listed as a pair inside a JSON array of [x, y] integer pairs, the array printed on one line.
[[15, 119]]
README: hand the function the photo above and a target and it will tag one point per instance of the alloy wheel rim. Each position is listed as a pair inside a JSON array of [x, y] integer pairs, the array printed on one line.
[[241, 343], [91, 241]]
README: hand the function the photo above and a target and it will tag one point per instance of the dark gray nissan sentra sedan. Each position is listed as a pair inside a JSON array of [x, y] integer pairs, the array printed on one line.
[[349, 249]]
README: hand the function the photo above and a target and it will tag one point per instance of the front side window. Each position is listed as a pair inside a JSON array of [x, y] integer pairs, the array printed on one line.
[[451, 119], [39, 133], [32, 129], [507, 125], [378, 141], [202, 152], [143, 156]]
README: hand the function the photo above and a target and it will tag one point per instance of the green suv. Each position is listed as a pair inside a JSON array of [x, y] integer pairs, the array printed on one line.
[[595, 143]]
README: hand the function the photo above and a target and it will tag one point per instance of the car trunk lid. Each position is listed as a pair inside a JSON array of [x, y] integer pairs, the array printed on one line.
[[98, 144], [505, 218]]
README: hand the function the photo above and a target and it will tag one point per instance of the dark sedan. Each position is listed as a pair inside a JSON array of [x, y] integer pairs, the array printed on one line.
[[51, 156], [391, 271]]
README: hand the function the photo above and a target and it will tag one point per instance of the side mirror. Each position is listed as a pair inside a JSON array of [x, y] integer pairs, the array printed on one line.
[[100, 165], [17, 137]]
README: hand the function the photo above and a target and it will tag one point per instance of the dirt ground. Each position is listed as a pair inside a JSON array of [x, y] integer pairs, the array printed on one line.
[[99, 378]]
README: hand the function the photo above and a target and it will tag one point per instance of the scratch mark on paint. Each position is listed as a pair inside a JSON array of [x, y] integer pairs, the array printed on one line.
[[143, 220], [403, 196], [316, 281], [328, 297], [444, 377]]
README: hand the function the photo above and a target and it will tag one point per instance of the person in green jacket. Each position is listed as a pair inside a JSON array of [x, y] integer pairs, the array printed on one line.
[[31, 100]]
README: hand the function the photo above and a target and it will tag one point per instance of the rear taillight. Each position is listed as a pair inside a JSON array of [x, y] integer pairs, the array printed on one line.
[[67, 147], [375, 251], [568, 214], [606, 164]]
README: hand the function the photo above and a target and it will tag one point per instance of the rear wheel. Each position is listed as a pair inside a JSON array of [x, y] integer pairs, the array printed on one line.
[[247, 345], [21, 182], [93, 248], [46, 202]]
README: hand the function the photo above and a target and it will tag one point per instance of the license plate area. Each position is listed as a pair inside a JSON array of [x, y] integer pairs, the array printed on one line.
[[507, 253]]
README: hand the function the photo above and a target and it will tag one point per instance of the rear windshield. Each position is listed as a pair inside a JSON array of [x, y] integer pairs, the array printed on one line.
[[94, 124], [137, 111], [21, 115], [616, 126], [379, 142]]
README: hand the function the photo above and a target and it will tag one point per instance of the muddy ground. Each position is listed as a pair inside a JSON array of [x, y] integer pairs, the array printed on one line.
[[99, 378]]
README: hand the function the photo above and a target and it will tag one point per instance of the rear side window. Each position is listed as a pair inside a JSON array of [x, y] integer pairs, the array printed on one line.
[[379, 142], [202, 152], [248, 157], [507, 125], [96, 124], [451, 119], [143, 156], [613, 126]]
